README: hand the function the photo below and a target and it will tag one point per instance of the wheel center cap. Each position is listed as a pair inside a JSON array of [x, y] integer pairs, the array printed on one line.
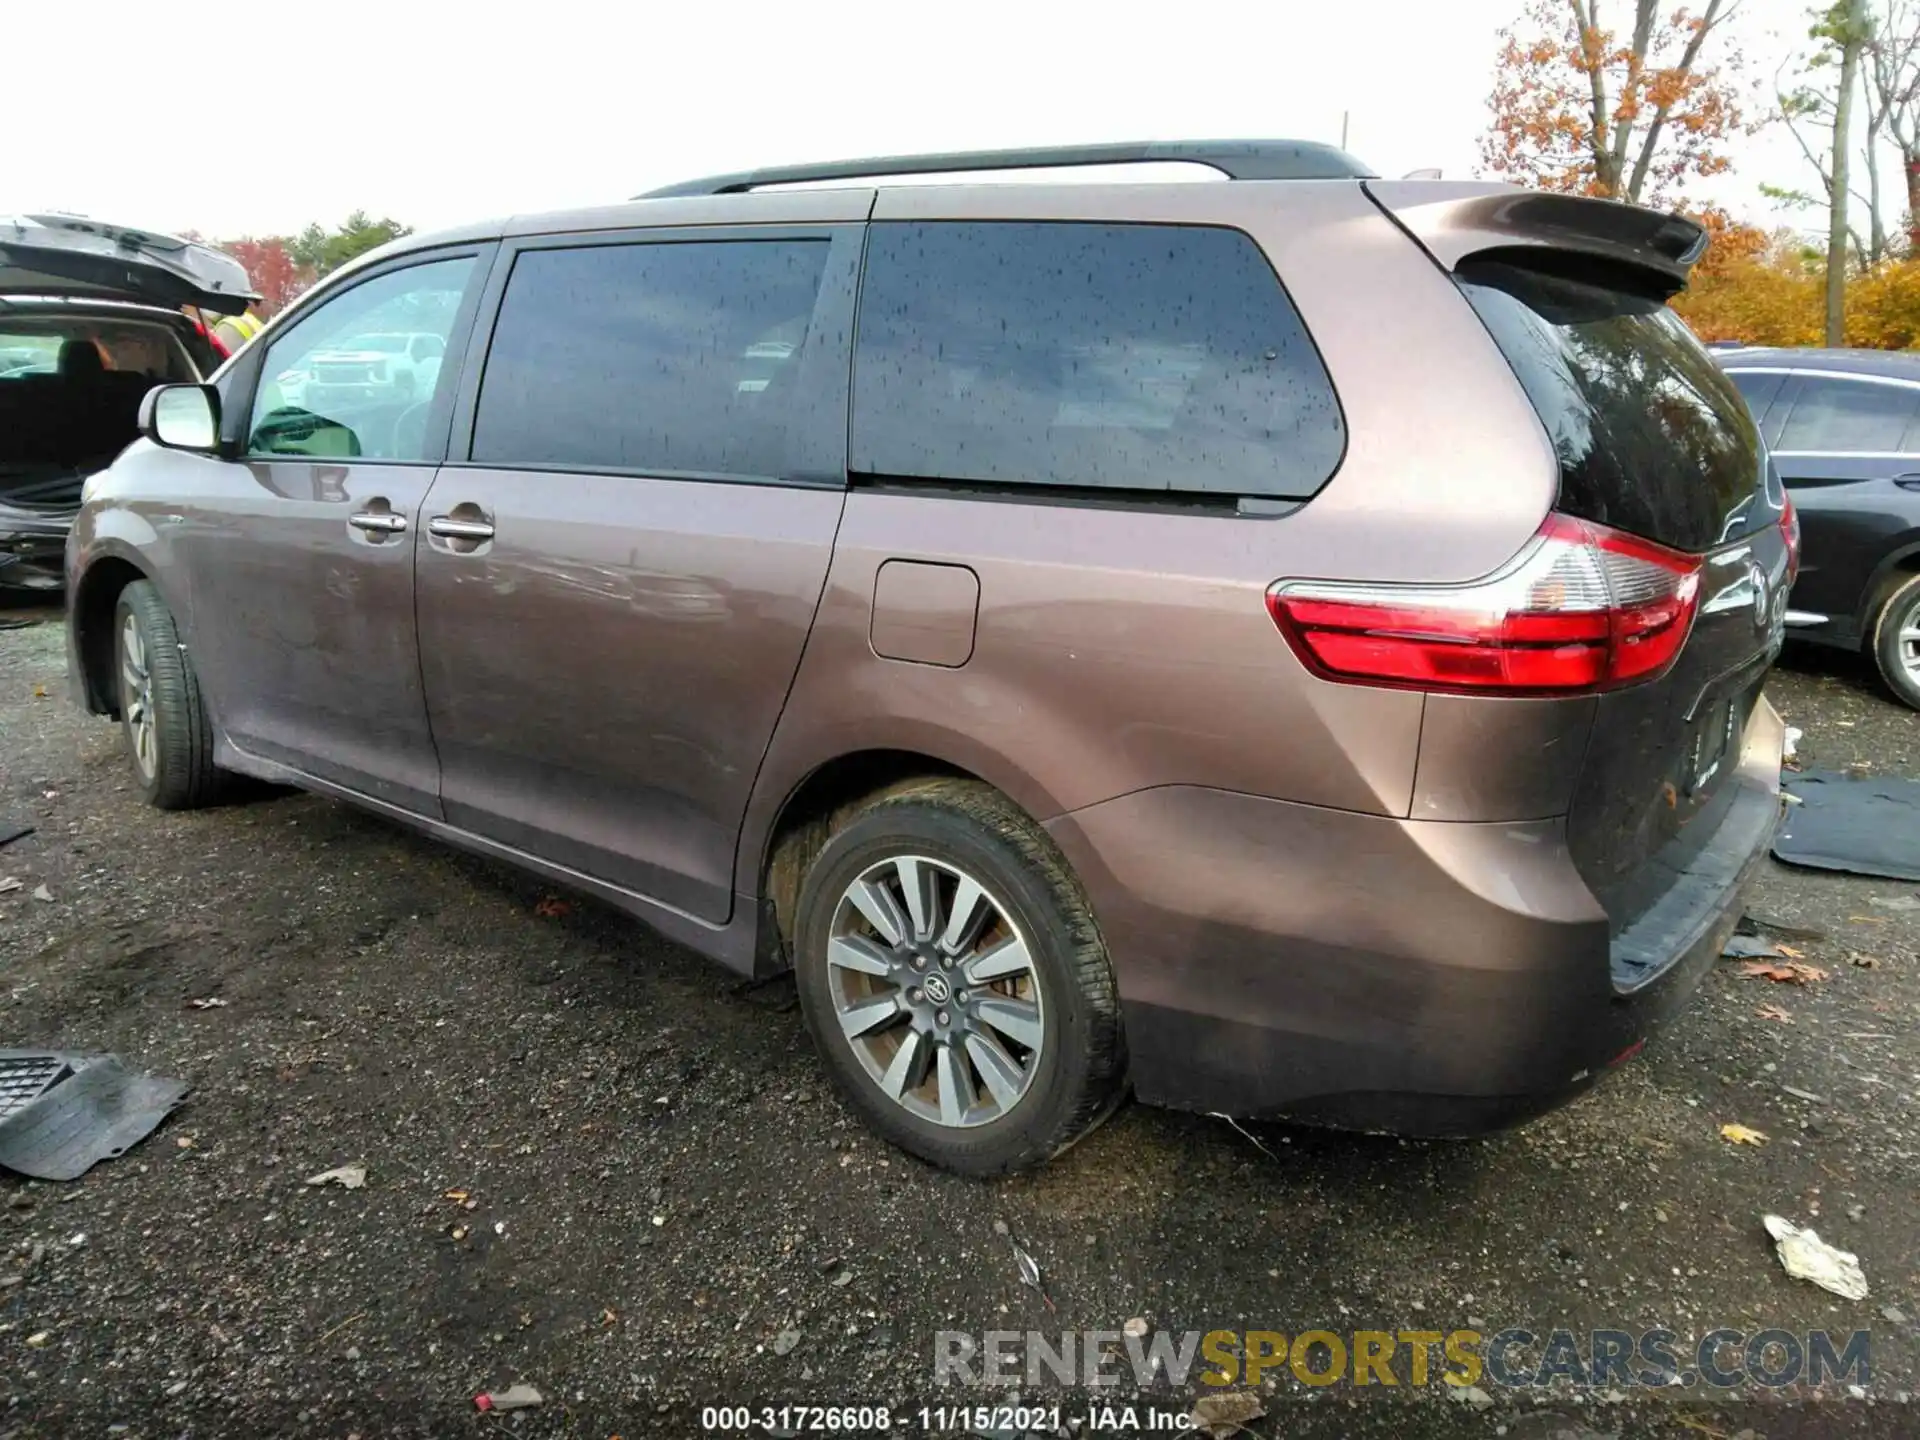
[[937, 988]]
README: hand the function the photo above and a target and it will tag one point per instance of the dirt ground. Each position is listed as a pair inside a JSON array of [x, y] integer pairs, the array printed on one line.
[[669, 1207]]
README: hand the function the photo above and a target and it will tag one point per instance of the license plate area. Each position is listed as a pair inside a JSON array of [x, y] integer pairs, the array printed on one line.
[[1716, 741]]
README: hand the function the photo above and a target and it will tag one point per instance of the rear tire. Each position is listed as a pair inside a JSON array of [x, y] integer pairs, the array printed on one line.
[[1896, 641], [162, 713], [1003, 1045]]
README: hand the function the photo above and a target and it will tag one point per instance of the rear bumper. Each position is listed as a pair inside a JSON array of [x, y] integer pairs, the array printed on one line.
[[1418, 977]]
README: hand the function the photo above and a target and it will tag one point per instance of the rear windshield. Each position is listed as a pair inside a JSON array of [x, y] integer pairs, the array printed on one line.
[[1652, 436]]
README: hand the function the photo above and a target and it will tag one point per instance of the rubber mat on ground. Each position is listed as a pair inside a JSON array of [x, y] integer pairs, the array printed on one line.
[[1867, 825], [62, 1113]]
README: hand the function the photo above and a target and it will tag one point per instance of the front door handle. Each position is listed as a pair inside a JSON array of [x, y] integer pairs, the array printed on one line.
[[378, 522], [449, 528]]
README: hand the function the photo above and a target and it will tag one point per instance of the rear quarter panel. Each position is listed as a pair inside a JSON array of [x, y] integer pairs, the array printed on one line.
[[1122, 648]]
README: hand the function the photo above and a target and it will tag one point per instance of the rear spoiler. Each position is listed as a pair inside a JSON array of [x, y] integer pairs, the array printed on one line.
[[1458, 219]]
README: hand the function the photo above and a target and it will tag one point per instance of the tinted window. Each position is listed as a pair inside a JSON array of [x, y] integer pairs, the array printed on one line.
[[1757, 388], [665, 357], [1830, 413], [338, 384], [1651, 434], [1145, 357]]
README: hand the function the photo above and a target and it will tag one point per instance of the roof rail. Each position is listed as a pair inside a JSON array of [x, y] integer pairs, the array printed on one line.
[[1236, 159]]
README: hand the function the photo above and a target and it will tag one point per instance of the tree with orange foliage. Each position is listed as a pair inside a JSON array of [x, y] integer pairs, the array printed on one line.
[[1578, 107]]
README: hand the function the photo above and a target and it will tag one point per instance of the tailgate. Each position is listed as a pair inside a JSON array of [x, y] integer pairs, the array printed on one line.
[[1654, 440]]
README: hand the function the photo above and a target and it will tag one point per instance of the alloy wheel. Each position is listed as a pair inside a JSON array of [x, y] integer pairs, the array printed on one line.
[[936, 991], [136, 695]]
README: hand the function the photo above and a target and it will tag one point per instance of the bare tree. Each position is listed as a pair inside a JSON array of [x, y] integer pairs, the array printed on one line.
[[1893, 102]]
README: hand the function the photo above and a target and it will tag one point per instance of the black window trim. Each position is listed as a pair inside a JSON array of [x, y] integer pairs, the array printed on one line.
[[1106, 496], [815, 455], [237, 417]]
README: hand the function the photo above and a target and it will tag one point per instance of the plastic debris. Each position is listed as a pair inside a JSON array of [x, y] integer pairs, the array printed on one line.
[[514, 1397], [41, 892], [1742, 1135], [785, 1341], [1030, 1273], [61, 1113], [1805, 1256], [9, 884], [1136, 1328], [1791, 744], [1223, 1415], [1748, 947], [211, 1002], [1895, 902], [347, 1177]]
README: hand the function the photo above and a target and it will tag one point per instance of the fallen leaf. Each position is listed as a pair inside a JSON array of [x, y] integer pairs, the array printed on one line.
[[347, 1177], [551, 907], [1791, 953], [1866, 920], [459, 1197], [1774, 1012], [1794, 972], [1742, 1135], [39, 692], [1223, 1415]]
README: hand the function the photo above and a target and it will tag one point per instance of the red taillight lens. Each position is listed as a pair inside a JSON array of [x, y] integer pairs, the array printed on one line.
[[1582, 608], [1790, 527]]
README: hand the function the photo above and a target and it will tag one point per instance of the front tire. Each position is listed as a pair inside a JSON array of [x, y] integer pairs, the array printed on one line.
[[955, 982], [1896, 641], [162, 714]]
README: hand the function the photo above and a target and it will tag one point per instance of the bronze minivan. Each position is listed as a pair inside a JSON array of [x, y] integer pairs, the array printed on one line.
[[1290, 645]]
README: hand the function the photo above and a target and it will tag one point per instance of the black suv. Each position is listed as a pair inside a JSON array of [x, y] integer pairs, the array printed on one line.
[[1845, 430]]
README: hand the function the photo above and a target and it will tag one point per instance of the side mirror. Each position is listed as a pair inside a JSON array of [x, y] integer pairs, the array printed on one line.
[[182, 417]]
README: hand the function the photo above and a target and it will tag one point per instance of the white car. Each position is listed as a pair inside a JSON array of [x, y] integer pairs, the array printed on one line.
[[392, 365]]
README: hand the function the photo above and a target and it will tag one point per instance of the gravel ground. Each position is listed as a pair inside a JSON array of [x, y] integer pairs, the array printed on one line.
[[669, 1208]]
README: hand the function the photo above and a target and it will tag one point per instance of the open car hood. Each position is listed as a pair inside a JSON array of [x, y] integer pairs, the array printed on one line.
[[68, 255]]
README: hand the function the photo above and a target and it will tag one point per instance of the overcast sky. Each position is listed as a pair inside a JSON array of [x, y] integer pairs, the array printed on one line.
[[237, 117]]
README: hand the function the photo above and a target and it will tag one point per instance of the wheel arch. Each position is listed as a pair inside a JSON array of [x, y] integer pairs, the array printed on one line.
[[91, 607], [784, 837], [1897, 566]]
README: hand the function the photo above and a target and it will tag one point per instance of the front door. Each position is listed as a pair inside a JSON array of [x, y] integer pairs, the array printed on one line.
[[302, 574], [614, 590]]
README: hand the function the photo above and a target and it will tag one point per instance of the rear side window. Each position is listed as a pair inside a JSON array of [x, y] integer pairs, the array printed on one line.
[[663, 357], [1128, 357], [1652, 436], [1831, 414], [1757, 388]]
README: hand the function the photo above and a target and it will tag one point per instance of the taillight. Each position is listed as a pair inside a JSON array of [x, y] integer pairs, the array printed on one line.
[[1583, 607], [1790, 527]]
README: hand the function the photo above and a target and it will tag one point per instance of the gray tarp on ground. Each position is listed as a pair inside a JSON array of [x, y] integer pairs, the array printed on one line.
[[1868, 825], [61, 1113]]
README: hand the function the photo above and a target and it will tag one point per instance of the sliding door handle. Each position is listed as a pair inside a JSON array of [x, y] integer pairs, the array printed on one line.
[[448, 528]]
